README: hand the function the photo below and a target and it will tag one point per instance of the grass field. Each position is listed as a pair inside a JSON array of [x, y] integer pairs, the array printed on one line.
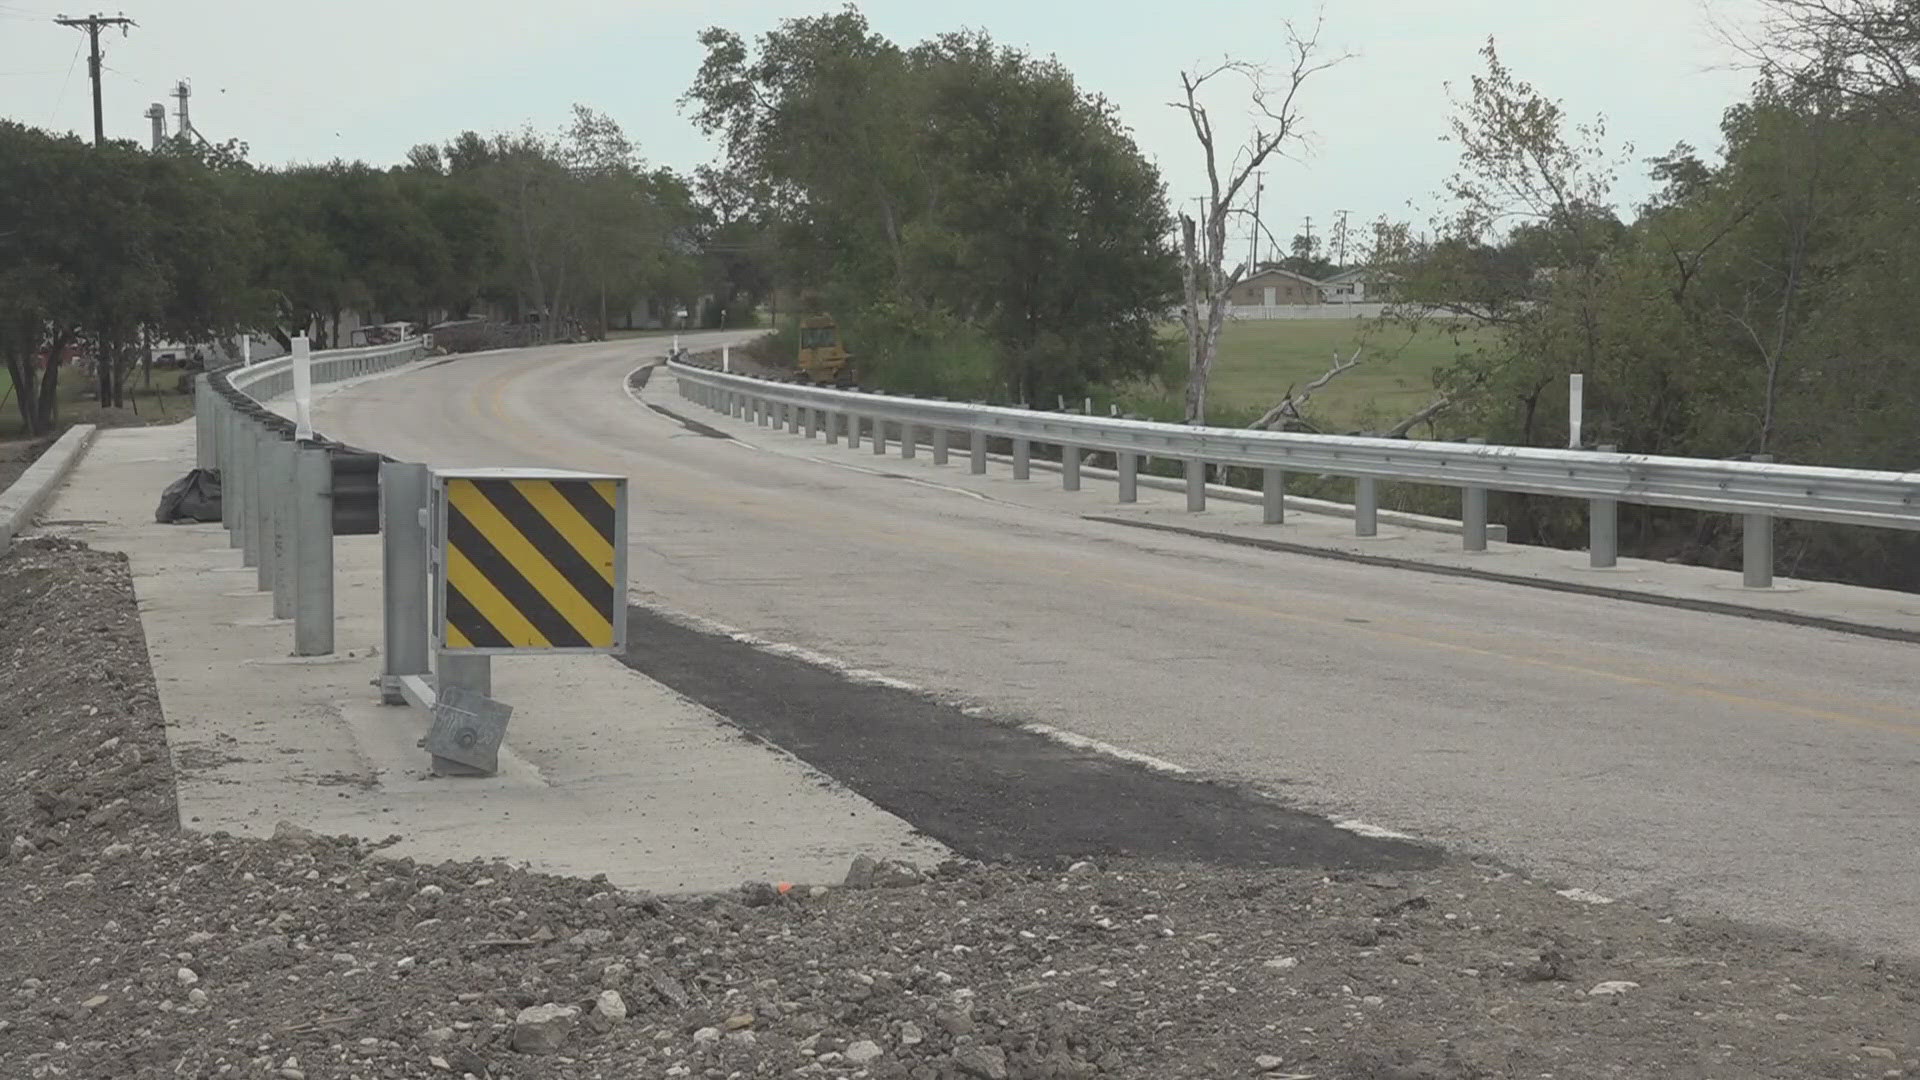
[[157, 406], [1260, 360]]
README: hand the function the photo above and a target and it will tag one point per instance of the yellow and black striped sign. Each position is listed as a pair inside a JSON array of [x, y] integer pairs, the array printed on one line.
[[531, 562]]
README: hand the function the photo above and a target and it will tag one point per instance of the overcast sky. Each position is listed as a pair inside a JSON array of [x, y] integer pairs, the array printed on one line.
[[370, 78]]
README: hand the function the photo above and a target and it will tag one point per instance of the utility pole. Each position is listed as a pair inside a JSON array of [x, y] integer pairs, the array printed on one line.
[[1307, 255], [93, 24], [1340, 240]]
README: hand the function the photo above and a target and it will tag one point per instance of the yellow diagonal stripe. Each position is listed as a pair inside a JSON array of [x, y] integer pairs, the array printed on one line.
[[492, 606], [593, 625], [608, 490], [566, 521], [456, 639]]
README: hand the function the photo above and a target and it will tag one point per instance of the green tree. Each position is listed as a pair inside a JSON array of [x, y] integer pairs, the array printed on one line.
[[953, 189]]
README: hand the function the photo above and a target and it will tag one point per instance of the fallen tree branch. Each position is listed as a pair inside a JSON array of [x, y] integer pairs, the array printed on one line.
[[1427, 412], [1289, 406]]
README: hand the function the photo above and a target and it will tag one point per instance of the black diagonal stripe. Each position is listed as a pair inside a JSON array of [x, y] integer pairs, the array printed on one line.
[[579, 572], [592, 506], [519, 592], [468, 620]]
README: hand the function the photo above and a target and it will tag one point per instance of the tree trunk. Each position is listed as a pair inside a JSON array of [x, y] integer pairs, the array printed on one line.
[[103, 369], [46, 408]]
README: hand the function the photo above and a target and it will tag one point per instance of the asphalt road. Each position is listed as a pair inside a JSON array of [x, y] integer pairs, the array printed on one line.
[[1695, 762]]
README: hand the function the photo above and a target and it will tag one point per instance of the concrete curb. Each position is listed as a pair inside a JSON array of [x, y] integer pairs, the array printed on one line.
[[19, 503], [1636, 596]]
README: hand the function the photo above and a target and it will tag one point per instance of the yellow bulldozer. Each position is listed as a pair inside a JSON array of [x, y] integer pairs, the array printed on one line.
[[824, 361]]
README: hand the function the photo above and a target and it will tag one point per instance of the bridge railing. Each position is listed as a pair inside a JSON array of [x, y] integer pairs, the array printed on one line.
[[1758, 491]]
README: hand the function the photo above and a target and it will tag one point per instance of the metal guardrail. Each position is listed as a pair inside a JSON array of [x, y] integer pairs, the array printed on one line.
[[1758, 491], [283, 500]]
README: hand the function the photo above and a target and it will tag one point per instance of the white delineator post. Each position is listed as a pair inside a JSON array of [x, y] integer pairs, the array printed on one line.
[[726, 358], [1576, 408], [302, 389]]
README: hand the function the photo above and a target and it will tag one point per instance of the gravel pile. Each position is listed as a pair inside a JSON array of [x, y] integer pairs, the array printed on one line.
[[139, 950]]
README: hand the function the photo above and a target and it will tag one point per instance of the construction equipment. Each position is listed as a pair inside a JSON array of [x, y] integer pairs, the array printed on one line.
[[823, 359]]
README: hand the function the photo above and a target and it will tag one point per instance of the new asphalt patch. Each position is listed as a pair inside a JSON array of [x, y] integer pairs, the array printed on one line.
[[989, 790]]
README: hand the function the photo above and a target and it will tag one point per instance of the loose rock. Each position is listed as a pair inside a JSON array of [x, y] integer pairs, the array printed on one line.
[[541, 1029], [983, 1062]]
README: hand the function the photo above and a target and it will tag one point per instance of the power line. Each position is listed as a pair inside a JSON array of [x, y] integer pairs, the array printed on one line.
[[93, 24], [61, 98]]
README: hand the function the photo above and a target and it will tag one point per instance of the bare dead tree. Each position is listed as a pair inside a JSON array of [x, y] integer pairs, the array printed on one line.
[[1277, 125], [1866, 49]]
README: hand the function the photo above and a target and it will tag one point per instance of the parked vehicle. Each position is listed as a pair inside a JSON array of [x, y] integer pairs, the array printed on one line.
[[823, 359]]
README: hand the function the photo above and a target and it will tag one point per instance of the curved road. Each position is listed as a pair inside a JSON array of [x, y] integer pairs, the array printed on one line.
[[1697, 762]]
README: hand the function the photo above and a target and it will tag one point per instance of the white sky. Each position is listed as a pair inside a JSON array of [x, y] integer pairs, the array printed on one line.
[[366, 79]]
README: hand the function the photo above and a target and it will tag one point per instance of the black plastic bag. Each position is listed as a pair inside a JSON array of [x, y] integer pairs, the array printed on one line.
[[194, 497]]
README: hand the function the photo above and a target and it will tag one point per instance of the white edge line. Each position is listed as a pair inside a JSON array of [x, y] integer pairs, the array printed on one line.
[[1367, 829], [1081, 742], [874, 678]]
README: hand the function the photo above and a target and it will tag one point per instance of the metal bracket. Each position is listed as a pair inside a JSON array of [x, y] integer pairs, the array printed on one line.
[[468, 728]]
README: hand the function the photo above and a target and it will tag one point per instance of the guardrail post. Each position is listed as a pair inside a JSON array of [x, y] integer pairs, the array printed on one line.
[[1196, 486], [1603, 528], [909, 441], [229, 471], [879, 435], [832, 420], [312, 552], [1273, 496], [1756, 542], [853, 431], [1473, 514], [1069, 468], [1366, 506], [1022, 459], [255, 554], [280, 473], [793, 418], [202, 425], [940, 435], [467, 672], [266, 493], [405, 613], [813, 421], [977, 452], [1128, 466]]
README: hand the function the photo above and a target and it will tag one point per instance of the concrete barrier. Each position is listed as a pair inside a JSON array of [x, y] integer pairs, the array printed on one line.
[[19, 503]]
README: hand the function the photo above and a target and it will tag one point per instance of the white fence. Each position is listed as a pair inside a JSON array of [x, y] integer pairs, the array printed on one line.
[[1259, 312]]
